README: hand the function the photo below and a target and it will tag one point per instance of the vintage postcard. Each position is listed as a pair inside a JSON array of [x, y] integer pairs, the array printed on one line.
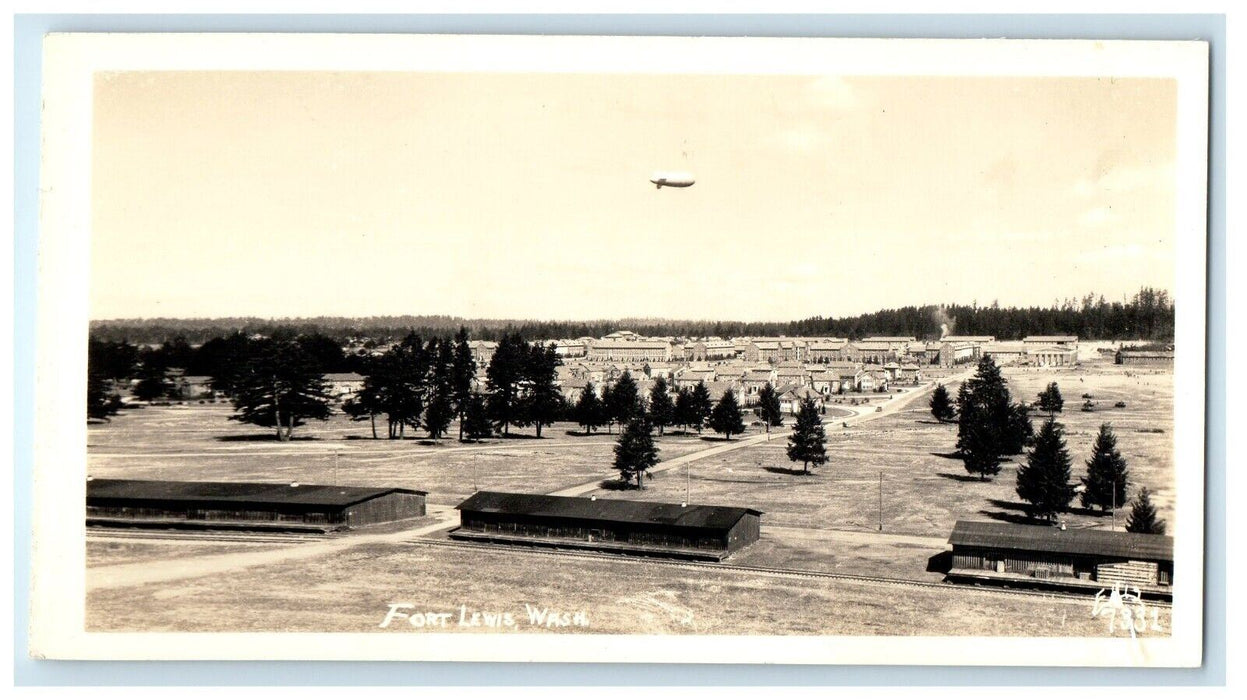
[[581, 348]]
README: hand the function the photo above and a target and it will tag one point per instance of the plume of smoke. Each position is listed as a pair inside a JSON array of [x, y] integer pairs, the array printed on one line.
[[947, 324]]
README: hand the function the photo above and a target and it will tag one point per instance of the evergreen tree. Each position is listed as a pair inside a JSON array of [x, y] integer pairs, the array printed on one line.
[[281, 388], [153, 382], [604, 404], [623, 402], [1050, 400], [768, 407], [504, 377], [942, 405], [700, 406], [977, 444], [463, 372], [1143, 516], [683, 408], [1104, 486], [725, 417], [542, 402], [476, 425], [1020, 431], [661, 408], [808, 442], [1044, 481], [588, 410], [988, 425], [635, 453], [102, 403]]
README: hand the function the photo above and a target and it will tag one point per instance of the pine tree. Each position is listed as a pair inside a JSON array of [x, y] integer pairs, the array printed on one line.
[[623, 403], [281, 388], [699, 406], [1020, 432], [102, 403], [1050, 400], [808, 442], [504, 377], [476, 424], [725, 418], [683, 408], [661, 408], [438, 414], [463, 372], [987, 423], [1143, 516], [588, 410], [153, 382], [942, 405], [768, 407], [542, 402], [1044, 481], [635, 453], [1104, 486]]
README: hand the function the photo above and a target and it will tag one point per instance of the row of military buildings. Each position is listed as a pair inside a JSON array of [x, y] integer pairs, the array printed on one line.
[[981, 551], [625, 346]]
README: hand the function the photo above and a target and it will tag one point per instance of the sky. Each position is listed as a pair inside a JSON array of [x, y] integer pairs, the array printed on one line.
[[287, 194]]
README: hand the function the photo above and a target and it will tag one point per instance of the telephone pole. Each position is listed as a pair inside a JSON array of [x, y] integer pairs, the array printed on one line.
[[880, 500]]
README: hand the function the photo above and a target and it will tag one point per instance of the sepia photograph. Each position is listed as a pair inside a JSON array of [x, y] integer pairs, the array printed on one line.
[[524, 348]]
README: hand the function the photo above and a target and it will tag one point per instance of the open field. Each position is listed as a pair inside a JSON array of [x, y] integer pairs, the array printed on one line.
[[827, 521], [352, 591], [198, 442], [925, 489]]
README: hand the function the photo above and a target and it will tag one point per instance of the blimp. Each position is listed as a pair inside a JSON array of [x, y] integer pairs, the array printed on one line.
[[672, 179]]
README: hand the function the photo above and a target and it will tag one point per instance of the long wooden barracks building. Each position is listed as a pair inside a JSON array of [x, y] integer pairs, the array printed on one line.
[[631, 527], [246, 506], [1052, 557]]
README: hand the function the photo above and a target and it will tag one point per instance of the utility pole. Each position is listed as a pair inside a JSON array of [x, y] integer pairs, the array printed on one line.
[[687, 483], [880, 500], [336, 453], [1114, 527]]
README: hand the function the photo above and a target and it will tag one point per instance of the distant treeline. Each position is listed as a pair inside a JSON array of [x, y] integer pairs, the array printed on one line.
[[1147, 315]]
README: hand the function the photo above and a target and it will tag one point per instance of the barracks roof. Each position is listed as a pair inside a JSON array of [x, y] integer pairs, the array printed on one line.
[[1044, 538], [233, 492], [608, 509]]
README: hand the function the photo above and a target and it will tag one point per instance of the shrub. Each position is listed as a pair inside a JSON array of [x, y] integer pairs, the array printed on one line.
[[1088, 406], [1120, 404]]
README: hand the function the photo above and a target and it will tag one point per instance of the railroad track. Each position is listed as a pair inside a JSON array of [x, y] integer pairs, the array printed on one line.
[[203, 536], [773, 571]]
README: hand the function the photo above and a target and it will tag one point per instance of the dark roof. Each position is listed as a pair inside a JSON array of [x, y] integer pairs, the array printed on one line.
[[609, 509], [1043, 538], [234, 492]]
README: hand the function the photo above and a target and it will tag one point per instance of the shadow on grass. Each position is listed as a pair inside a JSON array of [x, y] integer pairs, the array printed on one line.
[[715, 438], [1014, 505], [958, 477], [263, 438], [786, 470], [933, 422], [940, 563], [617, 485], [947, 455], [581, 433], [1015, 518], [519, 436]]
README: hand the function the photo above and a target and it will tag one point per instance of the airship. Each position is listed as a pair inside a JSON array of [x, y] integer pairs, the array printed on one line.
[[672, 179]]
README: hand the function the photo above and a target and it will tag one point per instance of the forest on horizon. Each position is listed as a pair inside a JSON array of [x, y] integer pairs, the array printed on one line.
[[1148, 315]]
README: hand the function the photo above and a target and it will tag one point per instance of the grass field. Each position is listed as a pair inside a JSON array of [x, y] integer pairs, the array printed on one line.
[[827, 521], [925, 490], [199, 443], [351, 592]]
